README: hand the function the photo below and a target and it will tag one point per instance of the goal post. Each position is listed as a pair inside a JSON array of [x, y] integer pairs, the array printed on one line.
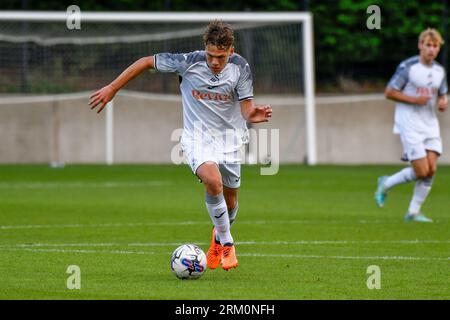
[[307, 82]]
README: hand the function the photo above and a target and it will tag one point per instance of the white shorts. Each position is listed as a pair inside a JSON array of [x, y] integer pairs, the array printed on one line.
[[415, 148], [229, 164]]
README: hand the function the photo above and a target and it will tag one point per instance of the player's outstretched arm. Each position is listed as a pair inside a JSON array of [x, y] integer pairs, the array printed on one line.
[[399, 96], [105, 94], [255, 114]]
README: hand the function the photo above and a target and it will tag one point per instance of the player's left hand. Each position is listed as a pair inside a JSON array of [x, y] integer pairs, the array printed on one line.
[[443, 103], [261, 114]]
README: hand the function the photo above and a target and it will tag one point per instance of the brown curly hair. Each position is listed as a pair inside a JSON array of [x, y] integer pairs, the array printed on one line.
[[219, 34]]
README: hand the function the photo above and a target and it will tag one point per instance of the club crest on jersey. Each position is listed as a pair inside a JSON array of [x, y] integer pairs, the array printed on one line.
[[214, 79]]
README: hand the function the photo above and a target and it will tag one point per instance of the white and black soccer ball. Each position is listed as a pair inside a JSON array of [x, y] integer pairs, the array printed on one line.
[[188, 262]]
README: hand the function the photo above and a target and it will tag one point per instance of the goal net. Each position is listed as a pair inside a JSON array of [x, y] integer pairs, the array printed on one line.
[[40, 55]]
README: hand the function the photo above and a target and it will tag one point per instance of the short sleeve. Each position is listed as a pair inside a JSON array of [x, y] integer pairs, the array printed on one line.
[[176, 62], [400, 77], [244, 87]]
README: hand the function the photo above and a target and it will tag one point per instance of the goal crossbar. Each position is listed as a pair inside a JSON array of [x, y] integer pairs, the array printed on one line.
[[134, 17]]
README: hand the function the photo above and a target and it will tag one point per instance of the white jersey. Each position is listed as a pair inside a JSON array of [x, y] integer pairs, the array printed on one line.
[[211, 109], [415, 79]]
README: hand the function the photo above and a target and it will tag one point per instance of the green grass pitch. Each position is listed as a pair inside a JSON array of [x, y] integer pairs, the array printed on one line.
[[305, 233]]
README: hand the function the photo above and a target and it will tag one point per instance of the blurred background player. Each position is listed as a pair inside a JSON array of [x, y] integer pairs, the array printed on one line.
[[418, 85], [217, 97]]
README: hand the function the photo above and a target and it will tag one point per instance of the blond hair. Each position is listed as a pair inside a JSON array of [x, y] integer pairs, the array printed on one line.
[[432, 34]]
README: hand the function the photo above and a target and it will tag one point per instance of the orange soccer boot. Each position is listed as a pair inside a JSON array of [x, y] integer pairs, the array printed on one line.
[[214, 254], [229, 259]]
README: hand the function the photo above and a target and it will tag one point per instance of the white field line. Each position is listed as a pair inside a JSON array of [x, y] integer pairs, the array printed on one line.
[[179, 223], [109, 244], [320, 242], [102, 225], [106, 184], [79, 251], [257, 255], [276, 243], [305, 256]]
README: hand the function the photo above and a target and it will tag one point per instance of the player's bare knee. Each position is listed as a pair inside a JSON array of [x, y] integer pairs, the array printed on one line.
[[214, 186], [421, 174]]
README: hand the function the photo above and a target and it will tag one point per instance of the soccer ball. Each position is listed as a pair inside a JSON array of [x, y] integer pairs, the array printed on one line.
[[188, 262]]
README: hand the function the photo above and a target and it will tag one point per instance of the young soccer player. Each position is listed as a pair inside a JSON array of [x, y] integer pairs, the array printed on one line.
[[418, 85], [217, 98]]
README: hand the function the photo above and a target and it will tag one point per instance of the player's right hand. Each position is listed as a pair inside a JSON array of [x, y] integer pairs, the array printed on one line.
[[422, 100], [101, 97]]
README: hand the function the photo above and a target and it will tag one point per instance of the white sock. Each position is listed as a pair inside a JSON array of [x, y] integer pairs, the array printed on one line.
[[217, 209], [403, 176], [232, 216], [421, 191]]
